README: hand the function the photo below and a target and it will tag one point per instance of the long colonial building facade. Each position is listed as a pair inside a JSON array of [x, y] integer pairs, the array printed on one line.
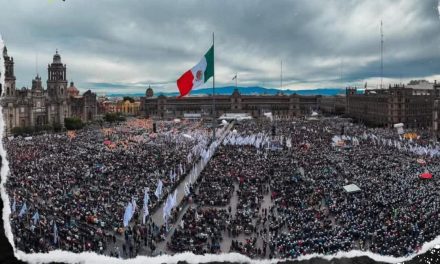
[[255, 105], [332, 104], [37, 107], [414, 107]]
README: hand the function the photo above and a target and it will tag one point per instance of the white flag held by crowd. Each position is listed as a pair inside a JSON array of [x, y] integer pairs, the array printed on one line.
[[133, 203], [23, 210], [181, 169], [128, 214], [167, 207], [186, 189], [14, 204], [171, 176], [158, 191], [146, 199], [55, 233], [174, 201], [36, 217]]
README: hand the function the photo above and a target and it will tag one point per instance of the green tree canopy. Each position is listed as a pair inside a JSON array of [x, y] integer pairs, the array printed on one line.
[[114, 117], [128, 98], [73, 123]]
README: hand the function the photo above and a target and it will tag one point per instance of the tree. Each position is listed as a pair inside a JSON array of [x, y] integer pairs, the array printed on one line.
[[110, 117], [73, 123], [57, 127], [22, 131], [113, 117], [45, 127], [120, 117], [17, 131], [128, 98]]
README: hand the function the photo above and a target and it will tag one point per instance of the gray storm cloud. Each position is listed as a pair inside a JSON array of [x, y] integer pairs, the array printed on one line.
[[142, 42]]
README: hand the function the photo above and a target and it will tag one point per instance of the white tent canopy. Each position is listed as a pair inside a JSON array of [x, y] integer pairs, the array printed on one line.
[[192, 116], [399, 128], [351, 188], [269, 115], [235, 116]]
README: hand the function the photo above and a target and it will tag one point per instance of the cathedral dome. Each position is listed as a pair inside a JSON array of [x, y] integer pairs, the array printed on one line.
[[56, 58], [72, 90], [149, 92]]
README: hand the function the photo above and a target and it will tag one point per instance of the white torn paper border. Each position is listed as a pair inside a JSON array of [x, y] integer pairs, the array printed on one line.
[[89, 257], [5, 165], [438, 8]]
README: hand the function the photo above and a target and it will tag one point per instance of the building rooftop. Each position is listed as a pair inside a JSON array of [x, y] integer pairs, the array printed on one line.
[[420, 84], [72, 90]]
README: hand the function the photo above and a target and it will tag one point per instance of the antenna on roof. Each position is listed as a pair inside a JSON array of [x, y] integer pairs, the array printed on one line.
[[341, 71], [36, 63]]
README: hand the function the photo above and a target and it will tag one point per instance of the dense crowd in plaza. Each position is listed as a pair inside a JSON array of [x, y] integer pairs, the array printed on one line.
[[262, 195], [393, 214], [200, 231], [309, 212], [75, 186]]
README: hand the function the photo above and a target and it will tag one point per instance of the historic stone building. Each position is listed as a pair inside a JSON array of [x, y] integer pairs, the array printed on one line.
[[255, 105], [436, 119], [128, 108], [82, 106], [332, 104], [398, 104], [37, 107]]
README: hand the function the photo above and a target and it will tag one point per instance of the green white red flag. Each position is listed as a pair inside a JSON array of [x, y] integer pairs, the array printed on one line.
[[198, 75]]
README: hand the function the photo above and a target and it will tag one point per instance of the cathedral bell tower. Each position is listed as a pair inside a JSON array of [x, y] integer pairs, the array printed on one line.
[[57, 81], [37, 87], [9, 89], [57, 91]]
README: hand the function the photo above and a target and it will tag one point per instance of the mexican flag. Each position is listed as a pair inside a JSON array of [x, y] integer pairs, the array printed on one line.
[[198, 75]]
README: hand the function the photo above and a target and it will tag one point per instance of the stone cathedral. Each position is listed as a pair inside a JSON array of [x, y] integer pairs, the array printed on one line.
[[38, 107]]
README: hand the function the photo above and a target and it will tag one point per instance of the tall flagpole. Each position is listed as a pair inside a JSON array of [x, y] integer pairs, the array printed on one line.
[[341, 75], [381, 54], [213, 91], [281, 75]]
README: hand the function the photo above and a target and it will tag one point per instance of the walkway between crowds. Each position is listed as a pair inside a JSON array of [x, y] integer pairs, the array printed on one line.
[[157, 217]]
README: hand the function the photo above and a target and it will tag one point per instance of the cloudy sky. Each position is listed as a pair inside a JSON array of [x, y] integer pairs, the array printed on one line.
[[123, 46]]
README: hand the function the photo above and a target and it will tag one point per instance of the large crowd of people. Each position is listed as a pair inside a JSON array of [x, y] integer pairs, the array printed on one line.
[[273, 188], [394, 212], [75, 186]]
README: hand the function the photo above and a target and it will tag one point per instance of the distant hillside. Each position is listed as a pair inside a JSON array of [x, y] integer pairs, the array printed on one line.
[[247, 91]]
